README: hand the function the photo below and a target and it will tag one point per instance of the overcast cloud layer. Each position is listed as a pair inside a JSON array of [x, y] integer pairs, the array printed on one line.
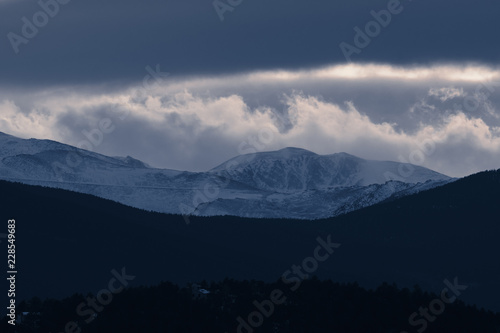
[[444, 118], [412, 81], [96, 40]]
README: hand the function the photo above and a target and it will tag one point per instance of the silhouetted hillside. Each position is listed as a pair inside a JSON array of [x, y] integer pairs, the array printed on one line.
[[317, 306], [69, 242]]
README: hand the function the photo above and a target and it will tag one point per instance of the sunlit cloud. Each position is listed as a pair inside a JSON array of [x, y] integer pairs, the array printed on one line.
[[446, 93], [196, 123], [469, 73]]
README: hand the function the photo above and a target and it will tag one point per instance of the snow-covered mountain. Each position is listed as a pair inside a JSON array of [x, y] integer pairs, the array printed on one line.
[[294, 169], [289, 183]]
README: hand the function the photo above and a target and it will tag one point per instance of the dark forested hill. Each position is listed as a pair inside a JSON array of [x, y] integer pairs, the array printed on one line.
[[69, 242], [246, 307]]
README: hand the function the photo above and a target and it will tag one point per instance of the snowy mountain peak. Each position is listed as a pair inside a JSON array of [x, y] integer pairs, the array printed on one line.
[[282, 154], [290, 152], [291, 182], [132, 162], [6, 137], [344, 155], [295, 169], [48, 161]]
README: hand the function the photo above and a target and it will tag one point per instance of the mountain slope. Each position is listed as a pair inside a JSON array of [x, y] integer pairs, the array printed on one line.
[[290, 183]]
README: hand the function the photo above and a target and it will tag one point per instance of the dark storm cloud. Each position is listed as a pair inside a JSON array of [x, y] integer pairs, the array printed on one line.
[[112, 41]]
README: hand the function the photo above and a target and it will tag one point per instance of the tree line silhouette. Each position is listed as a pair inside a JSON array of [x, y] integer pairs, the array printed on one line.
[[317, 306]]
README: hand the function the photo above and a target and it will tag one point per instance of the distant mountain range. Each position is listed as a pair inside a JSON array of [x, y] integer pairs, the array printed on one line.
[[289, 183]]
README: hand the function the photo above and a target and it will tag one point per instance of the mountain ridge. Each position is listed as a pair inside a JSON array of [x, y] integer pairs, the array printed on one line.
[[300, 169], [291, 182]]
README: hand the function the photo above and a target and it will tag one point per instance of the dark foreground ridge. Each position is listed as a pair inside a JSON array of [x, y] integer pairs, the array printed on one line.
[[68, 242], [248, 306]]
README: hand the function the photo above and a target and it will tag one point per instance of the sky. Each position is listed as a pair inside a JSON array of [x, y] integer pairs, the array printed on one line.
[[189, 84]]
